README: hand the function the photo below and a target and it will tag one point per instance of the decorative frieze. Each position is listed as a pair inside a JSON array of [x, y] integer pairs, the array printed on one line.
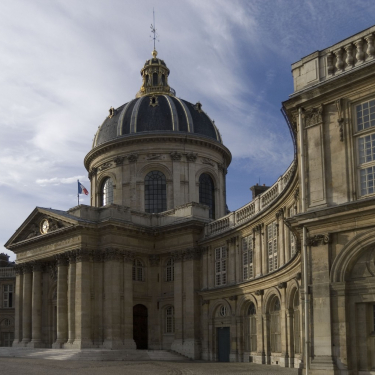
[[37, 266], [207, 161], [175, 156], [318, 239], [259, 292], [82, 255], [154, 260], [282, 285], [112, 254], [105, 166], [128, 256], [153, 157], [340, 118], [72, 257]]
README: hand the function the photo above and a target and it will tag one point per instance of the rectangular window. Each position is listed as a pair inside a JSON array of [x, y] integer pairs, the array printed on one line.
[[365, 115], [247, 258], [220, 266], [8, 296], [365, 119], [272, 246], [292, 239]]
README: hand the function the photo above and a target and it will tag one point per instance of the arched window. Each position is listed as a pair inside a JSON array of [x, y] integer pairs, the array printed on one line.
[[163, 79], [275, 329], [252, 325], [107, 192], [169, 270], [296, 324], [207, 193], [6, 322], [154, 79], [138, 274], [169, 319], [155, 192]]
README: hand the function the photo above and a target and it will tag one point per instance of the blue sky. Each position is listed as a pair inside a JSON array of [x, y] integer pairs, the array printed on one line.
[[65, 63]]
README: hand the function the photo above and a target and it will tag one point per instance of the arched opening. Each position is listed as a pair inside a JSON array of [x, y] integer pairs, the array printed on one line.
[[106, 192], [155, 192], [163, 79], [251, 328], [140, 326], [275, 329], [207, 193], [154, 79]]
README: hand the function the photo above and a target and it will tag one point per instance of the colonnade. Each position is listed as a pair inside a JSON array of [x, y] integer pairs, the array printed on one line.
[[73, 291]]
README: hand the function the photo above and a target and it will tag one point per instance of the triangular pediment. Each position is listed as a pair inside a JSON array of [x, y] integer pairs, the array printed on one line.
[[42, 222]]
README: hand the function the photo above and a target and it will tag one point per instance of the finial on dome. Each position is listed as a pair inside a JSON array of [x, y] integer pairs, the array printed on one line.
[[154, 53]]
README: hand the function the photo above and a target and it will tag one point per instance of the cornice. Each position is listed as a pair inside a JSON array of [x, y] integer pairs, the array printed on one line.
[[153, 138]]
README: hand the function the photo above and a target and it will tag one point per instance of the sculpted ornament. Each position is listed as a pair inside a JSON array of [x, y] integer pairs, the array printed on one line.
[[313, 116], [119, 160], [175, 156], [133, 158], [153, 157], [105, 166], [154, 260], [92, 173], [191, 156], [340, 119], [318, 239], [207, 161]]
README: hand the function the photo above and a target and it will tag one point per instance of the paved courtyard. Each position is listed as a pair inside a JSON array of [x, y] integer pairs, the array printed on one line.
[[16, 366]]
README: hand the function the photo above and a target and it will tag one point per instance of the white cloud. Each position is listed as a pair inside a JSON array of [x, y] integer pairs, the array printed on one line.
[[58, 181]]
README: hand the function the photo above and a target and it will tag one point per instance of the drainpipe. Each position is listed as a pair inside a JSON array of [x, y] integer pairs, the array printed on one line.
[[304, 239]]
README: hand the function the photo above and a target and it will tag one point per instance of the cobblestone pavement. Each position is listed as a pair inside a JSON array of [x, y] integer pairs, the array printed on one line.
[[27, 366]]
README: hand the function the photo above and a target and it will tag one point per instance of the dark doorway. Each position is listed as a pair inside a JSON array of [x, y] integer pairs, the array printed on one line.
[[140, 326], [223, 344]]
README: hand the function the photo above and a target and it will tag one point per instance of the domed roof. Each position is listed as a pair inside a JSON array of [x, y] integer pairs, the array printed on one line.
[[156, 109]]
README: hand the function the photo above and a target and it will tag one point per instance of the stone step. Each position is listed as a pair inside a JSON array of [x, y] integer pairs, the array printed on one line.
[[92, 354]]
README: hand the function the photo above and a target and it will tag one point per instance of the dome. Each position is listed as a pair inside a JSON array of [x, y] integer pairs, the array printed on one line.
[[156, 109]]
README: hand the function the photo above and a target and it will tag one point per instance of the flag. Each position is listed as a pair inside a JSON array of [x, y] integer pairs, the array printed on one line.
[[82, 189]]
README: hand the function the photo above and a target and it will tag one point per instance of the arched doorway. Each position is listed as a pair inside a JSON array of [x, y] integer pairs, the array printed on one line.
[[140, 326]]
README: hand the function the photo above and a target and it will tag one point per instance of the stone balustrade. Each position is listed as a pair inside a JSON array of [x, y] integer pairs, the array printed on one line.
[[6, 272], [340, 58], [247, 212]]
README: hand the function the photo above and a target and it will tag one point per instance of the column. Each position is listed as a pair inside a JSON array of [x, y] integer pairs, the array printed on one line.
[[205, 331], [82, 301], [290, 335], [191, 322], [62, 301], [261, 338], [178, 198], [128, 301], [26, 306], [231, 256], [18, 307], [36, 339], [321, 304], [71, 298], [283, 327], [112, 318], [267, 338], [178, 304]]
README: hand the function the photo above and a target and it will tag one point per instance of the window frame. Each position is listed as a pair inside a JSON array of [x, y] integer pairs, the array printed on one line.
[[169, 270], [272, 246], [359, 134], [247, 258], [106, 192], [221, 266], [138, 270], [155, 192], [169, 322], [206, 195], [8, 296]]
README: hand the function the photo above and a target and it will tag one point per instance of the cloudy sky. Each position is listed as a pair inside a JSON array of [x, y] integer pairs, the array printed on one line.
[[63, 64]]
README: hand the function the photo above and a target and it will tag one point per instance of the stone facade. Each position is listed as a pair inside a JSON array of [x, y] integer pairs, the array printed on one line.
[[286, 280], [7, 300]]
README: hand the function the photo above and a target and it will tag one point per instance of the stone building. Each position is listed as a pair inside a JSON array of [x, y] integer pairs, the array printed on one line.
[[7, 284], [157, 262]]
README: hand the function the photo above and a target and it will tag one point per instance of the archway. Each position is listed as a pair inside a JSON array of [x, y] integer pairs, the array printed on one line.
[[140, 326]]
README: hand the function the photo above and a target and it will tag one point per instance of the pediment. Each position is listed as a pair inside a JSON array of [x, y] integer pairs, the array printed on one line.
[[40, 223]]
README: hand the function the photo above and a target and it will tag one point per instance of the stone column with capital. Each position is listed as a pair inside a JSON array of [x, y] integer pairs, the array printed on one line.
[[261, 338], [178, 303], [18, 307], [26, 306], [62, 301], [284, 359], [71, 298], [290, 335], [112, 317], [36, 337], [128, 301], [83, 337]]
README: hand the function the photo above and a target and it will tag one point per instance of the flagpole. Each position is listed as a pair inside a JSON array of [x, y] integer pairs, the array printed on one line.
[[78, 192]]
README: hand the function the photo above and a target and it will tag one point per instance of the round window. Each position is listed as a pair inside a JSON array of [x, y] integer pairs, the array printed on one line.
[[223, 310]]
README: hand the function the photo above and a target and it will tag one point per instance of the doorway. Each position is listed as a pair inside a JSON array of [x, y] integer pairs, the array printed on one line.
[[223, 344], [140, 326]]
